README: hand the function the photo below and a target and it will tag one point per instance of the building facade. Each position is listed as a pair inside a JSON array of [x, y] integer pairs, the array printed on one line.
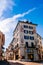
[[26, 42], [38, 42], [24, 35], [2, 41], [42, 53], [9, 55]]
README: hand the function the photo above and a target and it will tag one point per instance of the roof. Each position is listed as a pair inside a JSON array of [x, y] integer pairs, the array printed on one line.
[[27, 22]]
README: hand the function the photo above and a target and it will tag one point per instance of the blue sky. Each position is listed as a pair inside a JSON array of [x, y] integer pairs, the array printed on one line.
[[13, 10]]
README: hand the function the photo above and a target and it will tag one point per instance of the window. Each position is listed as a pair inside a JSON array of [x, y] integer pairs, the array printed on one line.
[[26, 31], [31, 38], [28, 50], [40, 42], [32, 44], [23, 57], [25, 26], [30, 27], [17, 39], [27, 44], [16, 46], [26, 37], [30, 32], [40, 38]]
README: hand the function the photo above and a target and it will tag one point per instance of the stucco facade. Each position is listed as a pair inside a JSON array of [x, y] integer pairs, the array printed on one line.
[[26, 42]]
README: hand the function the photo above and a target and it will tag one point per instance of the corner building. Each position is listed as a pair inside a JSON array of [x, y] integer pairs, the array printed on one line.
[[25, 43]]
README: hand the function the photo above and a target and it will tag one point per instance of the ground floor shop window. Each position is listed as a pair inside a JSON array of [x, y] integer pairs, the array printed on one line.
[[30, 56], [39, 56], [23, 57]]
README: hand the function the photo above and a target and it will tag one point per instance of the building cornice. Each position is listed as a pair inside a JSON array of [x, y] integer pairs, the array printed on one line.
[[27, 22]]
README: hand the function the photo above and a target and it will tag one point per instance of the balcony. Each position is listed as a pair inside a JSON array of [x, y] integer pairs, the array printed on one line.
[[16, 48], [32, 46], [38, 47]]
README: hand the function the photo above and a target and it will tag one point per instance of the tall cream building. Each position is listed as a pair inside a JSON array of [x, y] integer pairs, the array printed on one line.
[[26, 42], [24, 35]]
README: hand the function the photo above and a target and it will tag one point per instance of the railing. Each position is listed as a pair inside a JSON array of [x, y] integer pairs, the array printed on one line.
[[33, 46], [16, 46]]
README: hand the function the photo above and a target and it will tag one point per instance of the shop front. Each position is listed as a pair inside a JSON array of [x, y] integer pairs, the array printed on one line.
[[30, 54], [30, 57]]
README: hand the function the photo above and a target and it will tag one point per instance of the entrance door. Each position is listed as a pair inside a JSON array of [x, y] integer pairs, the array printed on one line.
[[30, 56], [17, 57]]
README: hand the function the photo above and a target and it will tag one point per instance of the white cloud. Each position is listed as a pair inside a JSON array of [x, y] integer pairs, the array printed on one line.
[[4, 24], [4, 5], [23, 14]]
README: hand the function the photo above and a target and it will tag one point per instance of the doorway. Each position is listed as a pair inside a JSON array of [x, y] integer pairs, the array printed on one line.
[[30, 56], [17, 56]]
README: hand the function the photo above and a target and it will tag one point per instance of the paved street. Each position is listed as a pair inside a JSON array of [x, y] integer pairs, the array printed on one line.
[[19, 63], [24, 63]]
